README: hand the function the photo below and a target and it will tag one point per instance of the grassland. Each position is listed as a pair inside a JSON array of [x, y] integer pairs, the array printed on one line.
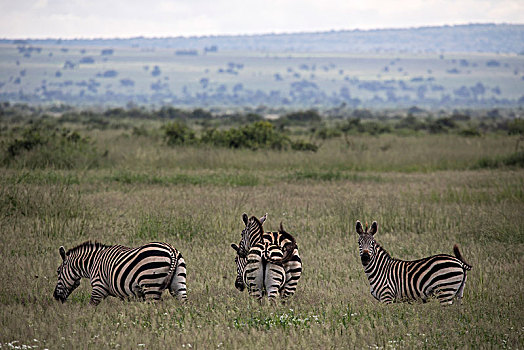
[[427, 192], [52, 73]]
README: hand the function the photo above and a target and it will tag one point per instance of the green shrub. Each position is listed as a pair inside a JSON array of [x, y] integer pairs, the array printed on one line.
[[42, 147], [301, 145], [441, 125], [469, 132], [310, 116], [261, 134], [410, 122], [516, 127], [177, 133], [512, 160]]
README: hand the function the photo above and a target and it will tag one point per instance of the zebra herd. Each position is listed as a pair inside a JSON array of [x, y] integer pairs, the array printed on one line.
[[268, 264]]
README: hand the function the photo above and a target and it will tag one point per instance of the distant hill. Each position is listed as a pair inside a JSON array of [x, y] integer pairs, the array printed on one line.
[[494, 38]]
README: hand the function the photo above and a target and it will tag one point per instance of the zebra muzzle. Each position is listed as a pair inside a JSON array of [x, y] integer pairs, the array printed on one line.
[[59, 296], [239, 284], [365, 258]]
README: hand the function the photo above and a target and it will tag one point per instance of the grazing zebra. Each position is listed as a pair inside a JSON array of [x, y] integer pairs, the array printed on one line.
[[287, 254], [118, 271], [443, 275]]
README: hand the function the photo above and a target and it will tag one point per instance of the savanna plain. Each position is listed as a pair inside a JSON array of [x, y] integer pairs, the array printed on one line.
[[427, 192]]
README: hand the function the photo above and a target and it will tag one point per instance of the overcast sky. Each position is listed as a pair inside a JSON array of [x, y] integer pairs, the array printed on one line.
[[160, 18]]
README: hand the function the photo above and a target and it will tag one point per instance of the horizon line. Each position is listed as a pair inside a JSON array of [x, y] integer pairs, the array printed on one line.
[[269, 33]]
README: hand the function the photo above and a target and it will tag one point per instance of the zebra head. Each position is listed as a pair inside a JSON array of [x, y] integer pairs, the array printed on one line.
[[366, 242], [251, 234], [68, 277], [241, 265]]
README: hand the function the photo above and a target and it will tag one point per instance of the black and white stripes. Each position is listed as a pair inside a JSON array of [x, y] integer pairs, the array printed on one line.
[[267, 263], [143, 272], [442, 276]]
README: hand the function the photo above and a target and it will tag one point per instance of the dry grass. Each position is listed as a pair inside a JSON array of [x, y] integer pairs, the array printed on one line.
[[137, 197]]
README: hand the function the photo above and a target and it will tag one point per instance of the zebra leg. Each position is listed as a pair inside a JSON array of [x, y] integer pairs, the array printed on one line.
[[460, 292], [386, 296], [178, 287], [293, 270], [273, 280], [445, 298], [151, 293], [98, 294]]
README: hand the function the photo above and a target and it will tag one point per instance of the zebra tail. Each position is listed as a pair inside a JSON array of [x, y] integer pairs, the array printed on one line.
[[461, 258], [290, 247]]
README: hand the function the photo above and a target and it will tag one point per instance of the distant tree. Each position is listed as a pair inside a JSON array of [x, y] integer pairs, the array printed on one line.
[[69, 65], [478, 89], [127, 82], [201, 114], [493, 63], [238, 87], [87, 60], [156, 71], [204, 82], [110, 73], [462, 92], [304, 116], [212, 48], [186, 52]]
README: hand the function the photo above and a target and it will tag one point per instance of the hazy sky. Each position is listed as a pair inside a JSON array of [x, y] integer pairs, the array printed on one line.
[[128, 18]]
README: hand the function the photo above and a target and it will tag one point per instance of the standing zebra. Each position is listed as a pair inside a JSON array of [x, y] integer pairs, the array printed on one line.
[[443, 275], [118, 271], [287, 255]]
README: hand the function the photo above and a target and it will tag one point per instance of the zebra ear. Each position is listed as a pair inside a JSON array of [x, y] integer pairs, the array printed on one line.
[[245, 218], [234, 246], [62, 252], [359, 228], [374, 228], [263, 218]]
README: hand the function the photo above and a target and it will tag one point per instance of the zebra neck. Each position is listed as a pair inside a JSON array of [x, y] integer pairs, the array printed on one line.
[[87, 260], [255, 235], [380, 258]]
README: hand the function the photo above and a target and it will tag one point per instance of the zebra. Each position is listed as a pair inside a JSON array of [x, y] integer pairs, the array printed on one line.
[[261, 270], [391, 280], [287, 255], [143, 272]]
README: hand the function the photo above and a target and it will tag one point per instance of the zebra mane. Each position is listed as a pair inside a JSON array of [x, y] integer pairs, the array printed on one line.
[[87, 244], [386, 253]]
